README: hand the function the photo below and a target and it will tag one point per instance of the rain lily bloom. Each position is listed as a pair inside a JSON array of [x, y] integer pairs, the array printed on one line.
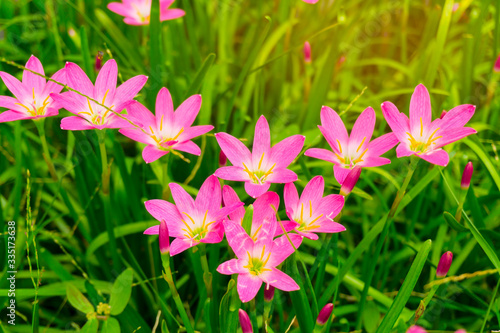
[[88, 114], [257, 260], [444, 264], [138, 12], [190, 221], [264, 208], [307, 52], [421, 136], [32, 96], [264, 165], [312, 212], [324, 314], [467, 176], [350, 181], [246, 325], [356, 149], [165, 130]]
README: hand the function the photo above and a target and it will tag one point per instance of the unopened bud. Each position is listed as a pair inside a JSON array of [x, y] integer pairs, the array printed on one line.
[[307, 52], [461, 331], [268, 293], [350, 181], [246, 325], [496, 68], [164, 238], [444, 264], [324, 314], [443, 114], [467, 176], [222, 159], [98, 61], [416, 329]]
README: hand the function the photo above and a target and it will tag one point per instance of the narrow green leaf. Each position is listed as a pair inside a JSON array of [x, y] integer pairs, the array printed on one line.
[[198, 79], [111, 325], [371, 317], [299, 298], [89, 69], [78, 300], [478, 148], [406, 289], [453, 223], [120, 294], [247, 219], [228, 313]]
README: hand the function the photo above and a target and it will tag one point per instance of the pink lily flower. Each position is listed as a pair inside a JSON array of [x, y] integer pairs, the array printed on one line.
[[138, 12], [313, 213], [190, 221], [264, 208], [353, 150], [88, 114], [257, 260], [423, 137], [264, 165], [32, 96], [167, 130]]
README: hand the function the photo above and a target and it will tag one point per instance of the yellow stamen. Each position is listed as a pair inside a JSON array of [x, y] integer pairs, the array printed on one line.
[[104, 98], [187, 225], [421, 127], [90, 107], [361, 144], [340, 147], [312, 222], [310, 209], [263, 251], [267, 259], [204, 219], [260, 162], [270, 171], [341, 159], [180, 132], [161, 123], [360, 158], [84, 112], [24, 106], [189, 217], [302, 212], [254, 237], [34, 101]]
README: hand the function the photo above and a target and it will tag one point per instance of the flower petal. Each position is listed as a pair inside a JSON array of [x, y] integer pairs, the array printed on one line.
[[340, 173], [154, 230], [105, 83], [382, 144], [331, 205], [248, 286], [265, 207], [322, 154], [280, 280], [209, 196], [291, 197], [11, 115], [140, 115], [238, 239], [55, 88], [32, 80], [282, 248], [75, 123], [284, 152], [183, 201], [171, 14], [215, 235], [186, 113], [229, 198], [78, 80], [313, 192], [164, 108], [70, 101], [333, 128], [119, 8], [188, 147], [330, 227], [454, 134], [194, 131], [137, 135], [438, 157], [232, 173], [403, 150], [374, 161], [10, 103], [233, 266], [261, 140], [163, 210], [179, 245], [16, 87], [362, 130], [151, 153], [234, 149], [266, 233], [397, 121], [256, 190], [282, 175], [457, 117], [129, 89], [420, 109]]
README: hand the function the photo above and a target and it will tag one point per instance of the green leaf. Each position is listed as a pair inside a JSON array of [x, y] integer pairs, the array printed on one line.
[[78, 300], [406, 289], [121, 291], [228, 313], [164, 327], [196, 84], [299, 298], [478, 148], [371, 317], [111, 325], [453, 223], [90, 326], [247, 219]]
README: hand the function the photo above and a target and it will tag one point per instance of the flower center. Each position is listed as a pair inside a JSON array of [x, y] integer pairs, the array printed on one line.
[[36, 110], [350, 161], [196, 232], [95, 117], [259, 176], [257, 266], [160, 140], [421, 146], [304, 222]]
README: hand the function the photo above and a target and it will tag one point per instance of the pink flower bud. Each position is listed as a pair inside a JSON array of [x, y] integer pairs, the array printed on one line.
[[268, 293], [461, 331], [443, 114], [467, 175], [350, 181], [246, 325], [222, 159], [496, 68], [444, 264], [455, 7], [416, 329], [98, 61], [164, 238], [324, 314], [307, 52]]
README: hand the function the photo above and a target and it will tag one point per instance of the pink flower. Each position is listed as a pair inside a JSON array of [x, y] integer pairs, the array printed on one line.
[[496, 67], [423, 137], [246, 324], [325, 314], [138, 12], [88, 114], [264, 165], [356, 149], [32, 95], [467, 176], [264, 208], [190, 221], [416, 329], [166, 130], [257, 260], [312, 212], [307, 52], [444, 264]]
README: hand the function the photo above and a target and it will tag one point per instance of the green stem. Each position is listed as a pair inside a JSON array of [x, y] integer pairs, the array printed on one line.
[[104, 161], [40, 125], [165, 258], [207, 275], [373, 260]]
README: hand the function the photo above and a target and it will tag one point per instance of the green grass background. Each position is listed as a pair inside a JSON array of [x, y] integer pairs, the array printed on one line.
[[245, 58]]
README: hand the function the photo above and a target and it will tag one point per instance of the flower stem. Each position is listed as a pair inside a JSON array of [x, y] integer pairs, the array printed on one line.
[[373, 261], [40, 125], [167, 275], [207, 275], [104, 161]]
